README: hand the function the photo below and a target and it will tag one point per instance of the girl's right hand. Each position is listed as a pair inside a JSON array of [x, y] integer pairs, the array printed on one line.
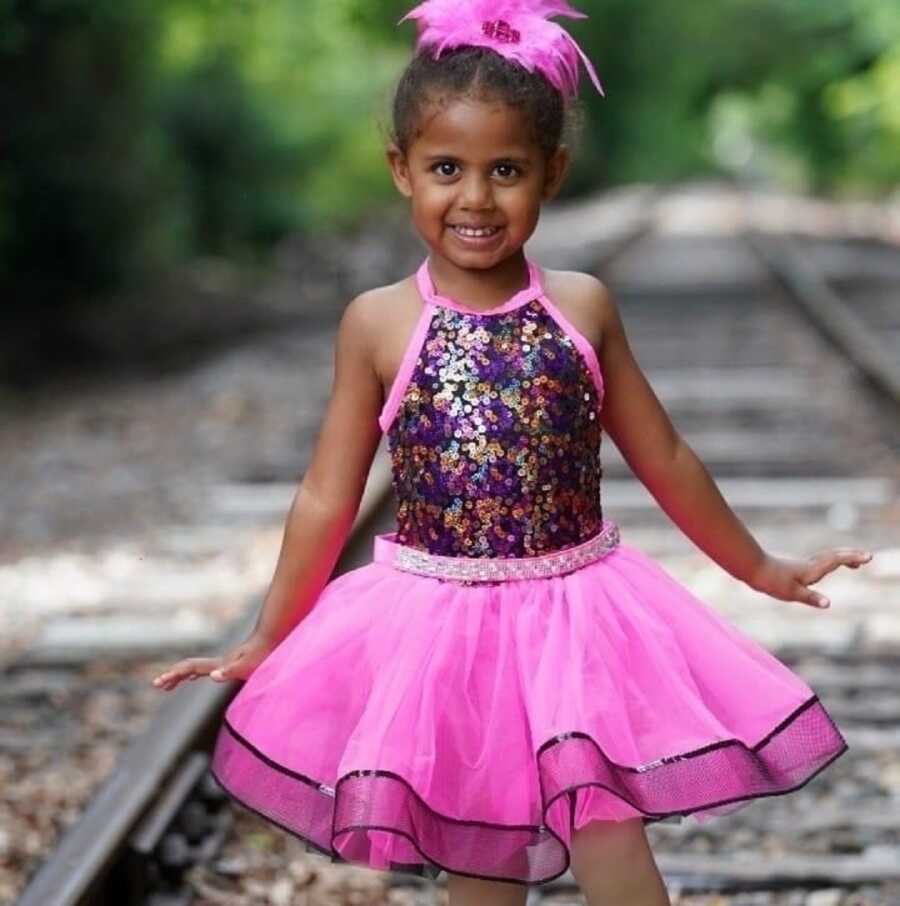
[[238, 663]]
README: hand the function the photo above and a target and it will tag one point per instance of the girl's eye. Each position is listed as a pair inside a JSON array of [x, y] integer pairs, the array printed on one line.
[[439, 169], [511, 167]]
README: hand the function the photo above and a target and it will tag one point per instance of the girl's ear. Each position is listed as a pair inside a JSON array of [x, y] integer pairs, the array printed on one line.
[[555, 173], [399, 169]]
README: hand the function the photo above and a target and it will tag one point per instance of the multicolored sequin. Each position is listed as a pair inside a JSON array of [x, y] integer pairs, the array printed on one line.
[[495, 447]]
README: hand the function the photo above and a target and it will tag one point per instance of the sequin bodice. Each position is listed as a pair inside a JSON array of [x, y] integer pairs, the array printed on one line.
[[493, 429]]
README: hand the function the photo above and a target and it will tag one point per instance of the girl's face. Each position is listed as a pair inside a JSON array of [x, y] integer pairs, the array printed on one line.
[[475, 166]]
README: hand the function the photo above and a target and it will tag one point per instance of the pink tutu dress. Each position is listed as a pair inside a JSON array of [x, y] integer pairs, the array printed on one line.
[[506, 670]]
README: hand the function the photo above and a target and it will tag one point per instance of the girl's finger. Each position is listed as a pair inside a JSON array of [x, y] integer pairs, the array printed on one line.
[[231, 667], [828, 561], [820, 565], [184, 669], [809, 596], [856, 558], [846, 556], [167, 676], [224, 671]]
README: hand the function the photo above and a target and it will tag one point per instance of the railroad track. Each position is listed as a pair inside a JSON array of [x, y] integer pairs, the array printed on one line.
[[752, 383]]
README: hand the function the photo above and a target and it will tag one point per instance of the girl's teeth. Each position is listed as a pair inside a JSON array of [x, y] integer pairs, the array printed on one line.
[[466, 231]]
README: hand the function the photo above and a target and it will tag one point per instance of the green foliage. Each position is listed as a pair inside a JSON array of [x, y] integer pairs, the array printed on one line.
[[76, 174], [315, 84], [140, 131], [238, 168], [805, 97]]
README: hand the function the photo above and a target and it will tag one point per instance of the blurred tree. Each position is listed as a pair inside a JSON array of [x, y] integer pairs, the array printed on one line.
[[301, 68], [78, 171], [805, 93], [238, 167], [137, 132]]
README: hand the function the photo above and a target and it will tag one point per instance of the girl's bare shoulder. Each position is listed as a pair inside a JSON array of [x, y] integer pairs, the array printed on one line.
[[386, 316], [373, 306], [583, 298], [576, 289]]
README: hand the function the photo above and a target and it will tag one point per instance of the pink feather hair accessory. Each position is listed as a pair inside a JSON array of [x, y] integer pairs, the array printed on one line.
[[519, 30]]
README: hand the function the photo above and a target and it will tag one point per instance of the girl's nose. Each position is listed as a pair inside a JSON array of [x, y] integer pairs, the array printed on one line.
[[476, 193]]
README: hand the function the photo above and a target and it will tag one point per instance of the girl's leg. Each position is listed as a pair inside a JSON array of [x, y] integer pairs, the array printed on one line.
[[614, 866], [466, 891]]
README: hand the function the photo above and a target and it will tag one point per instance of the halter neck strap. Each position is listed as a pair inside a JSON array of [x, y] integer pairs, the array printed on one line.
[[534, 290]]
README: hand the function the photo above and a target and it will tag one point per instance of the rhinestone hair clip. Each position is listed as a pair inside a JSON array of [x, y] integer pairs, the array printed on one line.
[[519, 30]]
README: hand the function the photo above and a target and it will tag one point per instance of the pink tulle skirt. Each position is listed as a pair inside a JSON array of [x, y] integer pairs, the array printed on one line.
[[417, 724]]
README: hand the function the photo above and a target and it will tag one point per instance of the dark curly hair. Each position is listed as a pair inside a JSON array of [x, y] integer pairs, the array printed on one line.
[[480, 72]]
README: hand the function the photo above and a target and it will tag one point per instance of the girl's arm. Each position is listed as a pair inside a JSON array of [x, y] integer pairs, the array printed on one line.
[[324, 505], [327, 500], [636, 420]]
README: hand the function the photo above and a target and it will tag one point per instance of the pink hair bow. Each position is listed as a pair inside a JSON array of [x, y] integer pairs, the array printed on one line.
[[520, 30]]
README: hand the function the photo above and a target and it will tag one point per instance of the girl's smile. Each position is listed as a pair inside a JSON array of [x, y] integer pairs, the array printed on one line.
[[476, 237]]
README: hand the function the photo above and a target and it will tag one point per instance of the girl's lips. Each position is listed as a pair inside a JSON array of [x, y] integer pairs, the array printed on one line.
[[477, 241]]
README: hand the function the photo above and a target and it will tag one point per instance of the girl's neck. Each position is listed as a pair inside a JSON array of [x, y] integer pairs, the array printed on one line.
[[480, 289]]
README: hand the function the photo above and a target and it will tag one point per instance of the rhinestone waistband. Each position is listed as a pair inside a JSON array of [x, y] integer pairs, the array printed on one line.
[[492, 569]]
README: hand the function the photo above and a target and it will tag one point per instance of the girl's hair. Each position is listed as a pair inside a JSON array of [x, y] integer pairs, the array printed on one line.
[[481, 73]]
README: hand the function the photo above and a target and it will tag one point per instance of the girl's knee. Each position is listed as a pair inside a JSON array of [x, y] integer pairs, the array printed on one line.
[[612, 863]]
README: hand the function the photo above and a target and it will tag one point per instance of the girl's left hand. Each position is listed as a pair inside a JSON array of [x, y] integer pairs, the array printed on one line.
[[787, 579]]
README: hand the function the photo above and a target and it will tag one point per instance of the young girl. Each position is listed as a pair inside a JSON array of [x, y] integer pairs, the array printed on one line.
[[507, 689]]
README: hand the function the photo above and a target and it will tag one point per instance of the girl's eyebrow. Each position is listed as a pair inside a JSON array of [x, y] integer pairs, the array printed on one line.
[[512, 158]]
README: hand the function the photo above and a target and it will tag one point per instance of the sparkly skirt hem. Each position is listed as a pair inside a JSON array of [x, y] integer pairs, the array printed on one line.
[[377, 819]]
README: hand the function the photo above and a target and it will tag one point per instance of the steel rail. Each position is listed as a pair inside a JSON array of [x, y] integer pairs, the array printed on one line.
[[75, 871], [829, 314]]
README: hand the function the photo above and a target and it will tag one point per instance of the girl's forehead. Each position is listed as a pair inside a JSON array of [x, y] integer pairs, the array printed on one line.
[[471, 124]]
